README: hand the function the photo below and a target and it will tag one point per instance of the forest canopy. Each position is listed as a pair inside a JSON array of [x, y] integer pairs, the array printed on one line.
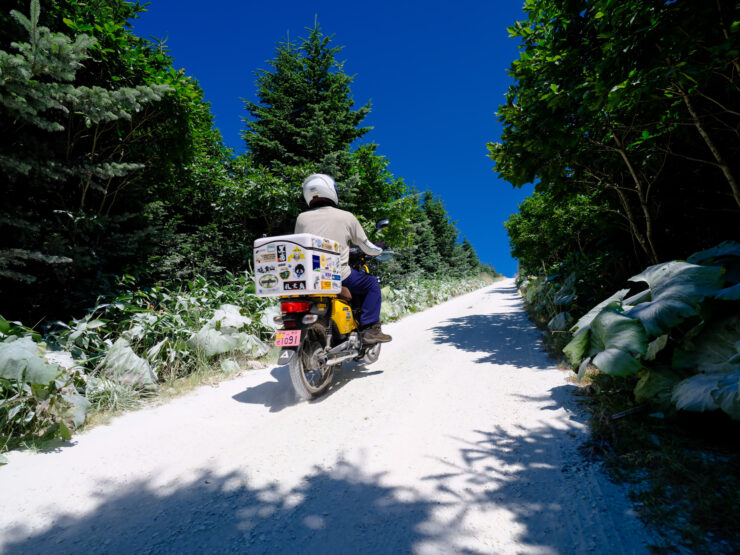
[[112, 167], [625, 115]]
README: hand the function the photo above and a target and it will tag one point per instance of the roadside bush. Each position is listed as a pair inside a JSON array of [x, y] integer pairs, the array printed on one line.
[[121, 350], [416, 294], [677, 329], [38, 399]]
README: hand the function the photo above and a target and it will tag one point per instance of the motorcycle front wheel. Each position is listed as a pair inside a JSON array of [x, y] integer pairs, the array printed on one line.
[[308, 370]]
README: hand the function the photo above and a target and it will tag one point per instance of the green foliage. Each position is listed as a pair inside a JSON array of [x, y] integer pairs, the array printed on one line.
[[622, 114], [122, 349], [38, 401], [548, 228], [679, 334], [91, 121], [305, 112], [420, 293]]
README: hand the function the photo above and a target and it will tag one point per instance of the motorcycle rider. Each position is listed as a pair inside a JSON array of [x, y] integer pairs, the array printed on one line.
[[323, 218]]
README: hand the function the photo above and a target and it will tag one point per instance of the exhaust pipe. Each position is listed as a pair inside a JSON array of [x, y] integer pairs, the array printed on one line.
[[336, 358]]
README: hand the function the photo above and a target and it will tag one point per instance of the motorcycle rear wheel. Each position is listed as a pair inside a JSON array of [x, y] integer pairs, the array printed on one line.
[[310, 375]]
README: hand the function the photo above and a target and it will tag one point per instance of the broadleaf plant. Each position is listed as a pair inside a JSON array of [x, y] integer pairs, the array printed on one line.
[[681, 335]]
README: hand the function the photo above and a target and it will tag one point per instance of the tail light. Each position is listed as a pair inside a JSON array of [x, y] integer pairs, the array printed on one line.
[[294, 306]]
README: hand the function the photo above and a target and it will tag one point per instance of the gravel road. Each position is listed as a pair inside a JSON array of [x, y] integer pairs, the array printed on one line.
[[462, 438]]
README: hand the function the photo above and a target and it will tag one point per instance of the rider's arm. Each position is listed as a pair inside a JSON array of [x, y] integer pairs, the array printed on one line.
[[359, 238]]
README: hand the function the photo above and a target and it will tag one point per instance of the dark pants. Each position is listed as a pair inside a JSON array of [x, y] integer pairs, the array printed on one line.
[[365, 287]]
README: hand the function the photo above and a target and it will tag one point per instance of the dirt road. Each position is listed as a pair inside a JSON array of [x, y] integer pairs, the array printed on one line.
[[462, 438]]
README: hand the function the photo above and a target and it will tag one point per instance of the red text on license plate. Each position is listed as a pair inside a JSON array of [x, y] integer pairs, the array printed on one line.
[[287, 338]]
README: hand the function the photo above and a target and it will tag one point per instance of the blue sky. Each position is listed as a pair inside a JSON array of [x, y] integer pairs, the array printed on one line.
[[434, 71]]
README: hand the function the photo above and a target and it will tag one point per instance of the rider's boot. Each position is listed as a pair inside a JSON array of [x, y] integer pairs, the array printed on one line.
[[373, 334]]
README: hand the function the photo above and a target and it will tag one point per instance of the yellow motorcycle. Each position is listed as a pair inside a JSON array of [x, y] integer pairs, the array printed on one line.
[[321, 331]]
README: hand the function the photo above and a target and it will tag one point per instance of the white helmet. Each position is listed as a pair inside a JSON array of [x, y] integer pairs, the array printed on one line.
[[320, 185]]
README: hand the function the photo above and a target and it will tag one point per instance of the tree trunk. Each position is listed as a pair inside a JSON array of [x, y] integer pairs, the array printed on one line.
[[710, 144], [640, 189]]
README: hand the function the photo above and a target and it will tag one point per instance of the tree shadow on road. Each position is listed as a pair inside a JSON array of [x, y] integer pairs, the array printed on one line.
[[278, 394], [507, 489], [507, 338], [557, 500], [336, 511]]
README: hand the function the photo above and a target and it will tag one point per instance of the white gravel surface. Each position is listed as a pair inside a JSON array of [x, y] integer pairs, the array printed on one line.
[[462, 438]]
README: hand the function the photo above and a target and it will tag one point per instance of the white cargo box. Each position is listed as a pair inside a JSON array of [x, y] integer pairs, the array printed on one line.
[[300, 264]]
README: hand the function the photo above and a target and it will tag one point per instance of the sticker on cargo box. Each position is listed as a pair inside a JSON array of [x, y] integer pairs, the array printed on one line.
[[294, 285], [281, 254], [297, 254], [326, 245], [267, 257], [326, 284], [268, 281], [299, 270], [265, 269], [336, 277], [285, 274], [316, 262], [323, 261], [271, 248]]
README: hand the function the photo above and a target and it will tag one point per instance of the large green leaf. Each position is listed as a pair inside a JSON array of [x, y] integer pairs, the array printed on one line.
[[637, 298], [729, 293], [611, 330], [78, 407], [695, 393], [722, 252], [715, 350], [612, 303], [655, 346], [727, 395], [677, 289], [578, 346], [656, 387], [229, 316], [20, 360], [725, 254], [616, 362], [123, 365]]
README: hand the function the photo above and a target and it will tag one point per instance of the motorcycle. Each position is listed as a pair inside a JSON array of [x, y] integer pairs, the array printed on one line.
[[321, 331]]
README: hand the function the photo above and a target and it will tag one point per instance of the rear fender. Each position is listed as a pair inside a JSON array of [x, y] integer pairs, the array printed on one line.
[[286, 355]]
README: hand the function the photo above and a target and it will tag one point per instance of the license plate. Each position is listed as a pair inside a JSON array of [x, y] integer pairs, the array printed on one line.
[[287, 338]]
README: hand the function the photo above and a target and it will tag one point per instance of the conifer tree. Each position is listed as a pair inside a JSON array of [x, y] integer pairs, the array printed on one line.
[[445, 232], [472, 259], [57, 197], [305, 110]]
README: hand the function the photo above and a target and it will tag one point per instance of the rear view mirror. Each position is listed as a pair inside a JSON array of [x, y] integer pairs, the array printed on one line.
[[381, 224]]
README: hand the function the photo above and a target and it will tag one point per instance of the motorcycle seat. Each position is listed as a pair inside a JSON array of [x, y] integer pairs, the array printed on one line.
[[345, 294]]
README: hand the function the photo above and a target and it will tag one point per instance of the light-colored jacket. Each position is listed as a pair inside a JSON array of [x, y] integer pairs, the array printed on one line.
[[340, 226]]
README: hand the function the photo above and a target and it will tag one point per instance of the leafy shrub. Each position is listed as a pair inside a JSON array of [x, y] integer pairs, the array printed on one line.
[[121, 350], [680, 335], [419, 293], [170, 329], [38, 399]]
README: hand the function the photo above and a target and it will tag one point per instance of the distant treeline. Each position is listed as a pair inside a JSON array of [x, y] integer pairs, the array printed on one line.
[[111, 166]]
